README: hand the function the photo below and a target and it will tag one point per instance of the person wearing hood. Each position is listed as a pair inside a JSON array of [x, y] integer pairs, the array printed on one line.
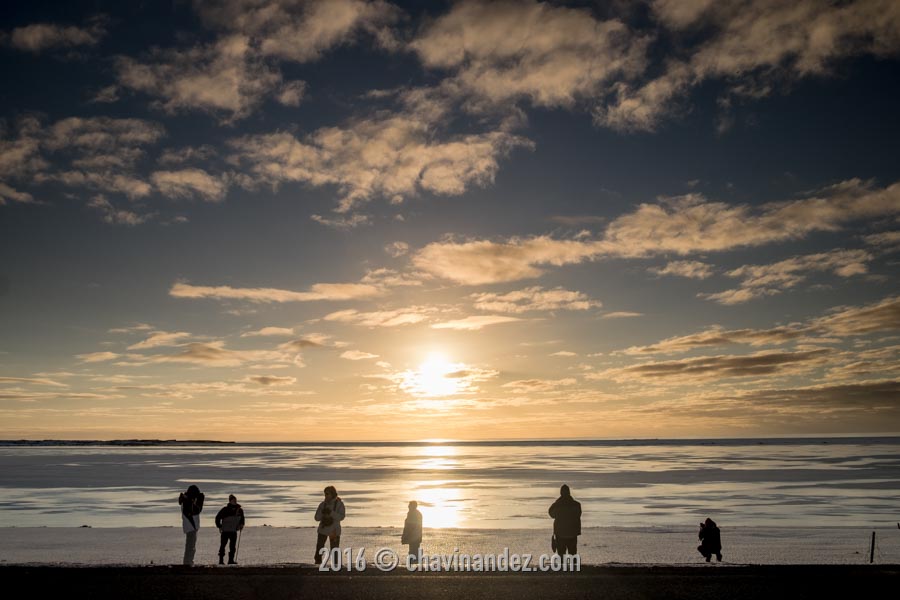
[[229, 521], [566, 513], [412, 531], [191, 503], [329, 514], [710, 540]]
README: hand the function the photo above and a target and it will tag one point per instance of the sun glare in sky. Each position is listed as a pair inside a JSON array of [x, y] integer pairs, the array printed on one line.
[[436, 377]]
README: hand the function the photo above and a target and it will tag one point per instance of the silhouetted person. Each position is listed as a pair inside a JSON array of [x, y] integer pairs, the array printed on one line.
[[191, 503], [710, 540], [412, 531], [229, 521], [330, 513], [566, 513]]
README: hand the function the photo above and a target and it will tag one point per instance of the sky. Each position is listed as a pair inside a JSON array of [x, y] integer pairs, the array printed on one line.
[[288, 220]]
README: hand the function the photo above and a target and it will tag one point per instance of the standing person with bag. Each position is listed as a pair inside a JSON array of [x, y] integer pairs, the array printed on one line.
[[566, 513], [329, 514], [191, 503], [229, 521]]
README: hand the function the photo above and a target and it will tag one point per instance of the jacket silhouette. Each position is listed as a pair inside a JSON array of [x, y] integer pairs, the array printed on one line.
[[412, 531], [566, 513], [229, 521], [191, 503], [710, 540]]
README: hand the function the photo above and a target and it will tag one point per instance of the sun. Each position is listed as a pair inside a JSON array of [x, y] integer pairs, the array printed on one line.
[[434, 378]]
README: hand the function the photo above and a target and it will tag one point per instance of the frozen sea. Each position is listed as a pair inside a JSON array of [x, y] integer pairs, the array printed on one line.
[[777, 500]]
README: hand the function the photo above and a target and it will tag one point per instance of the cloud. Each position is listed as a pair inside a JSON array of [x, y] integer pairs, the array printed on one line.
[[383, 318], [397, 249], [481, 261], [269, 332], [528, 386], [161, 338], [187, 183], [622, 315], [92, 357], [180, 156], [691, 269], [754, 47], [311, 341], [342, 222], [392, 156], [723, 366], [269, 380], [233, 74], [552, 56], [883, 315], [691, 223], [532, 299], [31, 381], [291, 93], [873, 396], [768, 280], [683, 225], [318, 291], [133, 328], [96, 152], [475, 323], [564, 354], [888, 240], [39, 37], [8, 193], [225, 76], [211, 354], [357, 355], [301, 31], [117, 216], [718, 336]]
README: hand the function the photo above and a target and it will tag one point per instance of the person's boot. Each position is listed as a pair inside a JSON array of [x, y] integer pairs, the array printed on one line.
[[231, 560], [221, 559], [719, 557]]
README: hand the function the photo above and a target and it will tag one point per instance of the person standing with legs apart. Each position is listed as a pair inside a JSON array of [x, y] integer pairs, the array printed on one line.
[[412, 531], [566, 513], [191, 503], [229, 521], [329, 514]]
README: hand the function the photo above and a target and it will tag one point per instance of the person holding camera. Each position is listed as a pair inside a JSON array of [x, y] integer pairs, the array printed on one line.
[[710, 540], [191, 503], [330, 513]]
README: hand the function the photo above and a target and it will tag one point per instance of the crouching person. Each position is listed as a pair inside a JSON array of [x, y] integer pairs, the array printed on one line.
[[229, 520]]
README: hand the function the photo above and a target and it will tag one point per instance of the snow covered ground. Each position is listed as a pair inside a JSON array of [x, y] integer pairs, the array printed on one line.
[[282, 545]]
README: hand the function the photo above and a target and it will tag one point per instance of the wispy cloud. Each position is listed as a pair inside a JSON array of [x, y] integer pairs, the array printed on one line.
[[31, 381], [622, 314], [768, 280], [534, 299], [691, 269], [474, 323], [357, 355], [40, 37], [754, 47], [711, 367], [161, 338], [92, 357], [383, 318], [319, 291], [269, 332], [188, 183]]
